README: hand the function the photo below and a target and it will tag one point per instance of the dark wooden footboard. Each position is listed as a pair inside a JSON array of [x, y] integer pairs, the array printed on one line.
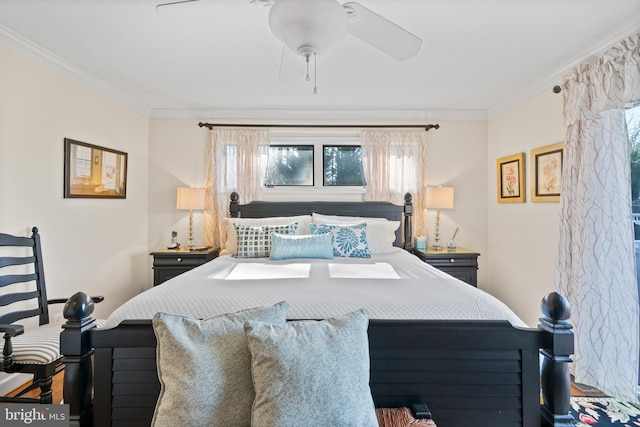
[[469, 373]]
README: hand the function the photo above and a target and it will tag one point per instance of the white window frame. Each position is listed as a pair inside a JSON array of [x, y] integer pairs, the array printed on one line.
[[318, 192]]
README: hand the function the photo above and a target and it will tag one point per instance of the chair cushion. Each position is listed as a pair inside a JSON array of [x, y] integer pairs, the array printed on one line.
[[39, 345]]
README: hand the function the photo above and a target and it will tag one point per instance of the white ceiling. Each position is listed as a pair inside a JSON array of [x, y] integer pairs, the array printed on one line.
[[478, 56]]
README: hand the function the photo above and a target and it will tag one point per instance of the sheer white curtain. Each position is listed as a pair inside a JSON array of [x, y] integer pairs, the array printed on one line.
[[596, 265], [236, 161], [395, 163]]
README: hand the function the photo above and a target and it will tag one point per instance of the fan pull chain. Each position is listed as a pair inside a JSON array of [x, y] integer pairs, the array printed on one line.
[[307, 61], [315, 74]]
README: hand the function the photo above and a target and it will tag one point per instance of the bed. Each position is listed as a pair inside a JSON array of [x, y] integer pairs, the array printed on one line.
[[471, 369]]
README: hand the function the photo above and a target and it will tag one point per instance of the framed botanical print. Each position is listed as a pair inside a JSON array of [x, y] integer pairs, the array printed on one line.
[[546, 173], [510, 176]]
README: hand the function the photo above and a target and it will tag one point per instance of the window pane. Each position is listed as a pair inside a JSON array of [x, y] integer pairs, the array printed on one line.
[[83, 162], [343, 165], [290, 165], [633, 127]]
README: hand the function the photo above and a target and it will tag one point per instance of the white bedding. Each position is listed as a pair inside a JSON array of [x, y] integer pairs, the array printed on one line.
[[390, 286]]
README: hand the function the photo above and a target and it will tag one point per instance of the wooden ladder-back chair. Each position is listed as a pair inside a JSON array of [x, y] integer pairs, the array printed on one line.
[[23, 295]]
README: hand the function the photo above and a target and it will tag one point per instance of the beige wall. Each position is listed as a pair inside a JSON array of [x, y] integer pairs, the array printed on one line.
[[98, 246], [102, 246], [177, 158], [456, 152], [522, 237], [457, 157]]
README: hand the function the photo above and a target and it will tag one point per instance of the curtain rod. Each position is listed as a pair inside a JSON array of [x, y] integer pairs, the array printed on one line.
[[212, 125]]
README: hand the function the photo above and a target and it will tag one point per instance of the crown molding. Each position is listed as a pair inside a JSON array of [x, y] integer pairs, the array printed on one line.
[[30, 50], [555, 78]]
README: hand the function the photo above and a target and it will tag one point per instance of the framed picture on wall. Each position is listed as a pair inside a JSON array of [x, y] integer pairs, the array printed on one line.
[[546, 173], [510, 176], [91, 171]]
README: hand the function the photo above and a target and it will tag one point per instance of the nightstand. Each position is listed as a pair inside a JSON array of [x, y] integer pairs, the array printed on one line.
[[168, 263], [461, 264]]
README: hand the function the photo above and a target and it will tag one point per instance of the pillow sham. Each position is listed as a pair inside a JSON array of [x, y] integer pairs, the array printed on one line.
[[381, 235], [319, 218], [311, 371], [255, 242], [229, 237], [204, 367], [305, 246], [348, 240]]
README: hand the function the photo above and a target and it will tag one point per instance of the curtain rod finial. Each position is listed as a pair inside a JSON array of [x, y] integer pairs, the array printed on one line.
[[557, 89]]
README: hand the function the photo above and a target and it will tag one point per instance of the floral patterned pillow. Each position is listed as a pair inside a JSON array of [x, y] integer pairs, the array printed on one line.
[[348, 240]]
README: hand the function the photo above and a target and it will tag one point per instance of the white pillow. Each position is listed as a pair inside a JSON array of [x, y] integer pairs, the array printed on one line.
[[318, 218], [381, 233], [229, 237]]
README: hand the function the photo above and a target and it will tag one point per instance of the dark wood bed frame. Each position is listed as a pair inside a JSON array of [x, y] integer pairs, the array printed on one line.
[[469, 373]]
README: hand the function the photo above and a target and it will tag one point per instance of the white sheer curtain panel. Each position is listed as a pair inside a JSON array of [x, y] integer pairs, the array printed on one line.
[[596, 266], [236, 161], [395, 163]]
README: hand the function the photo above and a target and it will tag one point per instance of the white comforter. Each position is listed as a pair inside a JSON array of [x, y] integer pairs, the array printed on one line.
[[390, 286]]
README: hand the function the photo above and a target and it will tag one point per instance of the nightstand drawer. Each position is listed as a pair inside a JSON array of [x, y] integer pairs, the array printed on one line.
[[467, 276], [178, 261], [453, 261], [461, 264], [169, 263]]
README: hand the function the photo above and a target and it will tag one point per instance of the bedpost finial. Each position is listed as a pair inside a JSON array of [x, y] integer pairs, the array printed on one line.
[[556, 307], [78, 307], [235, 197], [408, 199]]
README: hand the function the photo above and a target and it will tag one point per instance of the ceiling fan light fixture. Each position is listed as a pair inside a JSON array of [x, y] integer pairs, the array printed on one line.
[[319, 24]]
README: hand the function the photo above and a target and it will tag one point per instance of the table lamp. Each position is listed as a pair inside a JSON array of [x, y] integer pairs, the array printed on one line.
[[439, 198], [190, 199]]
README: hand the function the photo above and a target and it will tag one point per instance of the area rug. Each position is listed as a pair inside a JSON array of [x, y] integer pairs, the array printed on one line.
[[604, 412]]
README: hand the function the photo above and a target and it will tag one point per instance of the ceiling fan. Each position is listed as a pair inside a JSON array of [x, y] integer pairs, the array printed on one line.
[[309, 28]]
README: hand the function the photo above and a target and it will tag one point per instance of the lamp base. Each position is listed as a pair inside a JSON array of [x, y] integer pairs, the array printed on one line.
[[190, 241], [436, 238]]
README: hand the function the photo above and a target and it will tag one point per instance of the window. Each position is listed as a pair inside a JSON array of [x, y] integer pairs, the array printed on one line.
[[83, 162], [633, 127], [318, 162], [342, 165], [290, 165]]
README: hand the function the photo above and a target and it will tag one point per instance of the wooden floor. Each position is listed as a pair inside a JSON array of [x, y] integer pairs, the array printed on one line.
[[56, 387], [576, 391]]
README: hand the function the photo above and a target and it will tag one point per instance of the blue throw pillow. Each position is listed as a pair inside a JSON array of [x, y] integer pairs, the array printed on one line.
[[348, 240], [304, 246]]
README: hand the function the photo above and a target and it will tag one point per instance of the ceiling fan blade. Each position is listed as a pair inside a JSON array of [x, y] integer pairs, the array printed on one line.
[[291, 65], [381, 33], [179, 9]]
